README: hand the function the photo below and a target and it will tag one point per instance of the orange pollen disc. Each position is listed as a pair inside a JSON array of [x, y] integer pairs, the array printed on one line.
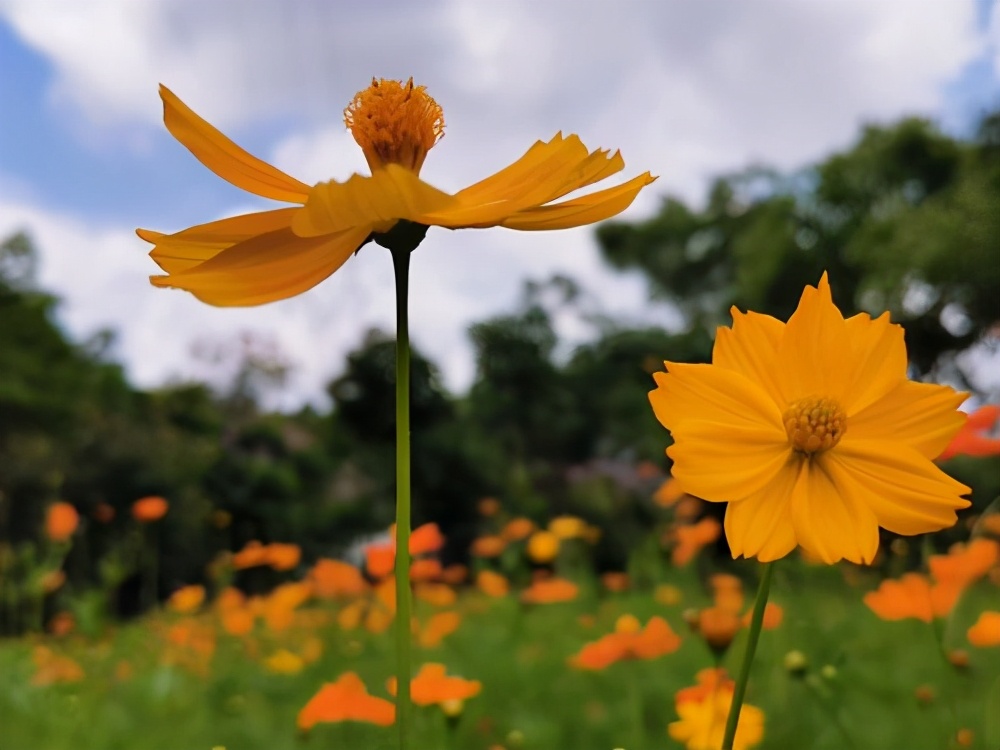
[[394, 123], [814, 424]]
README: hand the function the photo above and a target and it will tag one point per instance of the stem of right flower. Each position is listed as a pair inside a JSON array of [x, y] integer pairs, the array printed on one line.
[[753, 636]]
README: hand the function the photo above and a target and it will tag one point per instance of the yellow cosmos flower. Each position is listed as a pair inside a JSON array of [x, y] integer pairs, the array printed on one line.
[[812, 432], [271, 255]]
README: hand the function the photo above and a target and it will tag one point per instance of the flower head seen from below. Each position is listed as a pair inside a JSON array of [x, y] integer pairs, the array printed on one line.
[[812, 432], [271, 255]]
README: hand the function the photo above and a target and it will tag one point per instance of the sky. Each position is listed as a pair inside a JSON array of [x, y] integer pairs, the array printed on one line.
[[686, 90]]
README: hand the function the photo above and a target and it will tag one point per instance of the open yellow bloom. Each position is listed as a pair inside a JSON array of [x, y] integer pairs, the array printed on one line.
[[271, 255], [812, 432]]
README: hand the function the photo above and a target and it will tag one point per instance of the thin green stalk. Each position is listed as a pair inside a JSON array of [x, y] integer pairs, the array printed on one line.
[[401, 266], [752, 637]]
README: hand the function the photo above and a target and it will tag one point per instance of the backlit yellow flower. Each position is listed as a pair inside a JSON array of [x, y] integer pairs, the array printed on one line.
[[812, 432], [271, 255]]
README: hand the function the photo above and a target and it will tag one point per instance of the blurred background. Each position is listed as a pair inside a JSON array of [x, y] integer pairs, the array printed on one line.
[[790, 138]]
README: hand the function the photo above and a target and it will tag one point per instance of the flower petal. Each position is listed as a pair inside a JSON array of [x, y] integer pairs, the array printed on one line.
[[224, 157], [184, 250], [705, 393], [760, 525], [879, 360], [265, 268], [922, 415], [587, 209], [831, 520], [907, 493], [811, 356], [723, 462], [750, 347], [391, 194]]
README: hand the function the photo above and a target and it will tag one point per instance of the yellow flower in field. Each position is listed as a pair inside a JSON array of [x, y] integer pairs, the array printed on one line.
[[271, 255], [702, 711], [812, 432]]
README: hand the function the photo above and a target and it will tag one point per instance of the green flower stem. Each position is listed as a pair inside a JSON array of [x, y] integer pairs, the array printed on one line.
[[401, 266], [741, 683]]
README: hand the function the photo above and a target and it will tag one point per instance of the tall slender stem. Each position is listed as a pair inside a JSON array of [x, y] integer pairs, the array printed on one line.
[[753, 636], [401, 267]]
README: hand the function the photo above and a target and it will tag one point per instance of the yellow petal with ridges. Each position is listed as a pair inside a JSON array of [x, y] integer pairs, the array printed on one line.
[[760, 525], [924, 416], [392, 194], [831, 521], [906, 492], [225, 158], [812, 356], [723, 462], [266, 268], [186, 249], [750, 347], [705, 393], [587, 209], [879, 356]]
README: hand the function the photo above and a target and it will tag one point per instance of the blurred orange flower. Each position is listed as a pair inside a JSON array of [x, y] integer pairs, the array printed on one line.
[[283, 556], [335, 579], [979, 436], [517, 529], [568, 527], [435, 594], [380, 558], [492, 584], [187, 599], [702, 712], [629, 641], [966, 563], [615, 581], [425, 569], [487, 546], [454, 574], [440, 625], [550, 591], [61, 521], [986, 631], [149, 509], [431, 686], [347, 699], [912, 596], [668, 493], [691, 538], [488, 507], [52, 668], [543, 547]]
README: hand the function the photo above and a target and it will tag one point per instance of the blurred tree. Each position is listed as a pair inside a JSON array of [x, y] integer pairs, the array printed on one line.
[[906, 220]]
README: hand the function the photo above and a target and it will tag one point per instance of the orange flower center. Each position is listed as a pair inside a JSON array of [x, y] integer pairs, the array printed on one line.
[[814, 424], [394, 123]]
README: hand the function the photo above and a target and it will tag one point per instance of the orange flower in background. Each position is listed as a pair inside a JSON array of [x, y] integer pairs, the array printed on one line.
[[439, 626], [727, 591], [425, 570], [702, 712], [690, 539], [347, 699], [424, 539], [380, 558], [435, 594], [487, 546], [52, 668], [454, 574], [986, 631], [812, 433], [912, 596], [966, 563], [550, 591], [773, 617], [568, 527], [615, 581], [335, 579], [149, 509], [543, 547], [979, 436], [432, 685], [283, 556], [718, 626], [488, 507], [253, 555], [668, 493], [517, 529], [187, 599], [61, 521], [271, 255], [492, 584], [629, 641]]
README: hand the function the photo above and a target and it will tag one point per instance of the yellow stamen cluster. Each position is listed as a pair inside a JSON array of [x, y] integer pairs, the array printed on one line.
[[814, 424], [394, 123]]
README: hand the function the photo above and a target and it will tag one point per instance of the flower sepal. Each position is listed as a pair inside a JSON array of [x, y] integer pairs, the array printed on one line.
[[404, 237]]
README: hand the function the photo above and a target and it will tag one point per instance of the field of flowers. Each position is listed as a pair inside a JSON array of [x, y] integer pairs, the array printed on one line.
[[528, 648]]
